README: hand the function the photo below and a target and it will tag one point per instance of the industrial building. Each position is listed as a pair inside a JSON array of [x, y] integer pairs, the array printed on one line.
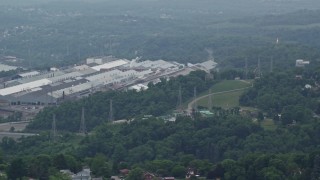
[[98, 74], [4, 67], [301, 63]]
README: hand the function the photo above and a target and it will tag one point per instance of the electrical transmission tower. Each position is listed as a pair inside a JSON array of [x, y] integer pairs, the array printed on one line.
[[111, 112], [83, 129], [259, 67], [179, 100], [54, 129], [246, 68], [195, 106], [210, 100], [51, 98], [68, 52], [271, 64]]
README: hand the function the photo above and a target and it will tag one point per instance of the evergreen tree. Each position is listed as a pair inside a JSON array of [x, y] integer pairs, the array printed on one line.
[[315, 174]]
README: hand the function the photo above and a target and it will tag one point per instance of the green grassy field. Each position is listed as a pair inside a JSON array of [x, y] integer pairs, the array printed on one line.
[[228, 99], [225, 100], [231, 99], [268, 124], [230, 85], [294, 27]]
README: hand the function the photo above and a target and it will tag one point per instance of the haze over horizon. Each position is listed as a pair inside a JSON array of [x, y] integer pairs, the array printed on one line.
[[67, 31]]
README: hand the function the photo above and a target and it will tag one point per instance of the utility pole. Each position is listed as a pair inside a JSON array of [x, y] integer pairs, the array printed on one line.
[[259, 68], [54, 129], [79, 56], [195, 106], [83, 129], [51, 98], [246, 68], [111, 112], [210, 100], [29, 57], [180, 99], [101, 52], [68, 50], [271, 64]]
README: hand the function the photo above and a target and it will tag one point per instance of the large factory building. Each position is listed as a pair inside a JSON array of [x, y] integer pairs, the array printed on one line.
[[99, 74]]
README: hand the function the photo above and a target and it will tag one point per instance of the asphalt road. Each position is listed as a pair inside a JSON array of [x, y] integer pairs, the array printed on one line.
[[15, 135], [18, 126]]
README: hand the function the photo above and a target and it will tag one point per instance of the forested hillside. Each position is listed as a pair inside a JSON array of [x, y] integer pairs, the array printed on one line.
[[286, 94], [64, 33], [159, 99], [274, 134], [229, 144]]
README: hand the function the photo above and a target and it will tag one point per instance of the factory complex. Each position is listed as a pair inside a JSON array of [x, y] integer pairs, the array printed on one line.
[[97, 74]]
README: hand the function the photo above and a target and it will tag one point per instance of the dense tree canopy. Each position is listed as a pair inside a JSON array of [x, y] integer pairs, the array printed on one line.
[[284, 96], [227, 144], [157, 100]]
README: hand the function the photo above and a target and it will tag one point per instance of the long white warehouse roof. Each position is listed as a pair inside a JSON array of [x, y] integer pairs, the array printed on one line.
[[71, 90], [153, 64], [4, 67], [29, 74], [210, 64], [104, 75], [64, 77], [110, 65], [24, 87]]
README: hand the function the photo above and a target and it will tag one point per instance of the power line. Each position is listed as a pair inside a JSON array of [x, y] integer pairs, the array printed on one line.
[[246, 68], [179, 99], [68, 52], [79, 56], [111, 112], [195, 106], [54, 129], [210, 100], [83, 129], [29, 57], [271, 64], [51, 98], [259, 67]]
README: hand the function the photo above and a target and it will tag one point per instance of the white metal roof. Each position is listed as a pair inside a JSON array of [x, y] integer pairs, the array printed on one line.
[[104, 75], [210, 64], [4, 67], [24, 87], [39, 77], [128, 73], [29, 74], [71, 90], [81, 67], [65, 76], [87, 71], [110, 65], [139, 87], [153, 64], [143, 73], [112, 76]]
